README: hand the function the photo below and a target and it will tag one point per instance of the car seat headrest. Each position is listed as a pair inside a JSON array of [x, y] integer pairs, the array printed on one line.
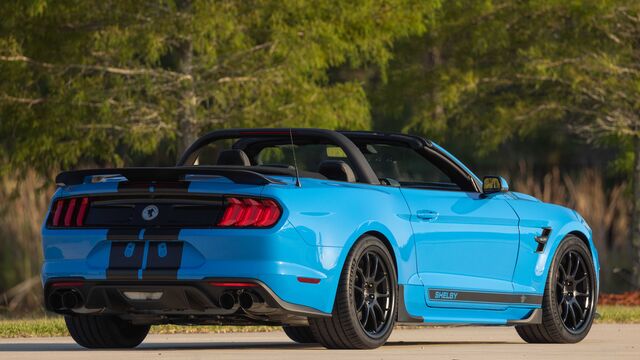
[[337, 170], [233, 157]]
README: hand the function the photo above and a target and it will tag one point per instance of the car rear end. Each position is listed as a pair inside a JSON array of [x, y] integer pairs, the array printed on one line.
[[187, 249]]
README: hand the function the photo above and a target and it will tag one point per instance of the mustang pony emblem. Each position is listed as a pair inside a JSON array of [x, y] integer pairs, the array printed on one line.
[[150, 212]]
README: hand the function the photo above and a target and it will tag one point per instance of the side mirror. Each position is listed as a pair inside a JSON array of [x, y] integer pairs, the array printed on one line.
[[494, 184]]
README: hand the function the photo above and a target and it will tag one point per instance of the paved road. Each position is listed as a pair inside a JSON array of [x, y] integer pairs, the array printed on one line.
[[604, 342]]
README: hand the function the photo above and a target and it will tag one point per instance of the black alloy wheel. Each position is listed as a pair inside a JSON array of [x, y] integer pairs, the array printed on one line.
[[574, 293], [364, 311], [372, 293]]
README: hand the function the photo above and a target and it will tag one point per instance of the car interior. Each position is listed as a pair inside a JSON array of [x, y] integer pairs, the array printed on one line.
[[394, 163]]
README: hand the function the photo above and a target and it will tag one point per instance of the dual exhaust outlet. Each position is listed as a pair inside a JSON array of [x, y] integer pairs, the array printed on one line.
[[65, 299], [69, 299], [245, 300]]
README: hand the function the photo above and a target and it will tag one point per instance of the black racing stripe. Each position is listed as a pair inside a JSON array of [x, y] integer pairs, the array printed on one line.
[[152, 187], [133, 187], [160, 274], [125, 258], [163, 260], [172, 187], [472, 296], [123, 234], [122, 274], [165, 234]]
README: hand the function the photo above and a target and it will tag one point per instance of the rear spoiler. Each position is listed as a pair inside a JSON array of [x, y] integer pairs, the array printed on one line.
[[168, 174]]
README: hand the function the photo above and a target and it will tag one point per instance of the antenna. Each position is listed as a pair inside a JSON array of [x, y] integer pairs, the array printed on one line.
[[295, 162]]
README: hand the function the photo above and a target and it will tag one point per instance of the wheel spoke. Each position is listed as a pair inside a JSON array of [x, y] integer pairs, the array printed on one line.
[[365, 316], [580, 309], [374, 318], [565, 312], [573, 316], [379, 281], [569, 267], [563, 271], [378, 308], [577, 267], [374, 272]]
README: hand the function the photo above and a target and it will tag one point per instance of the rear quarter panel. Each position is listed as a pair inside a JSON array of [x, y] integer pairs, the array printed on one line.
[[333, 214]]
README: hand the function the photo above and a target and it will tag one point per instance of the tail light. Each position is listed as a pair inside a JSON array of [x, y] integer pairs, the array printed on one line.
[[70, 212], [249, 212]]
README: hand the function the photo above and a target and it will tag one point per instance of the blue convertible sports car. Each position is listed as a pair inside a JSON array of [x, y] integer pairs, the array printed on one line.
[[335, 235]]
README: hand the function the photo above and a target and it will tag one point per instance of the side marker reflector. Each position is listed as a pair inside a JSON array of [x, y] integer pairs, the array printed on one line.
[[308, 280], [67, 284]]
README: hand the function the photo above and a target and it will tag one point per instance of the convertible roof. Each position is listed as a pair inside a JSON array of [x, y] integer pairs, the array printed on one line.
[[361, 167], [412, 140]]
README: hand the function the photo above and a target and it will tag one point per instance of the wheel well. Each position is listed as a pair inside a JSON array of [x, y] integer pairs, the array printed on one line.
[[582, 237], [386, 243]]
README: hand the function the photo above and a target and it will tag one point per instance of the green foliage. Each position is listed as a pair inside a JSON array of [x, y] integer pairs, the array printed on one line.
[[98, 81], [54, 326], [505, 69]]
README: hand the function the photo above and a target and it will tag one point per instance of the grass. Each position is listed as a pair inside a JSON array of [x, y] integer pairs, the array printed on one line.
[[54, 326], [619, 314]]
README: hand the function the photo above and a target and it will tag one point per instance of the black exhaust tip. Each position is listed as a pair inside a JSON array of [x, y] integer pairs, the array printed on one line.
[[71, 299], [250, 301], [55, 300], [227, 300], [246, 300]]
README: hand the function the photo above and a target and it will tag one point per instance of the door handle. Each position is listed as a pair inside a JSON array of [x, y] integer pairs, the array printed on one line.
[[427, 214]]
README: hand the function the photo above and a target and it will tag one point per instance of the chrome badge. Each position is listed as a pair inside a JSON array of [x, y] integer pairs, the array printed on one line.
[[150, 212]]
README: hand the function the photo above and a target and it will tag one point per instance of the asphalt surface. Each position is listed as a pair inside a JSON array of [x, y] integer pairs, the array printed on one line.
[[604, 342]]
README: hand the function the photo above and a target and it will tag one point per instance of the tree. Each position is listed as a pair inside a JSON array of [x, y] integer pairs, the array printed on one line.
[[501, 69], [99, 80], [601, 82]]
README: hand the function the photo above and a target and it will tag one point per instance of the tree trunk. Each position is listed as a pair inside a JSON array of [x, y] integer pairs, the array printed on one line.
[[433, 61], [187, 121], [635, 219]]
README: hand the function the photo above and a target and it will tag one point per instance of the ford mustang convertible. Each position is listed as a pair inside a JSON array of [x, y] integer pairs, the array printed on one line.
[[336, 236]]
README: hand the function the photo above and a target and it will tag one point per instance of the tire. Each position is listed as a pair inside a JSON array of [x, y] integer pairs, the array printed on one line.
[[564, 296], [364, 311], [300, 334], [105, 332]]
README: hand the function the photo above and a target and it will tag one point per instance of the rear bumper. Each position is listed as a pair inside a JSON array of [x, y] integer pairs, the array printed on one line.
[[276, 258], [208, 301]]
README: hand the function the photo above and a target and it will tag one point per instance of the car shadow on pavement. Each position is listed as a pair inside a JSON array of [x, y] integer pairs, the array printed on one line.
[[41, 347]]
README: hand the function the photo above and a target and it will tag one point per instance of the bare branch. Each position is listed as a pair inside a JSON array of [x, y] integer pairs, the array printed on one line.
[[106, 69], [21, 100], [228, 79]]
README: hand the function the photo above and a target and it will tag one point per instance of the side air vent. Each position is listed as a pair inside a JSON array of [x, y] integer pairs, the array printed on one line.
[[542, 239]]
